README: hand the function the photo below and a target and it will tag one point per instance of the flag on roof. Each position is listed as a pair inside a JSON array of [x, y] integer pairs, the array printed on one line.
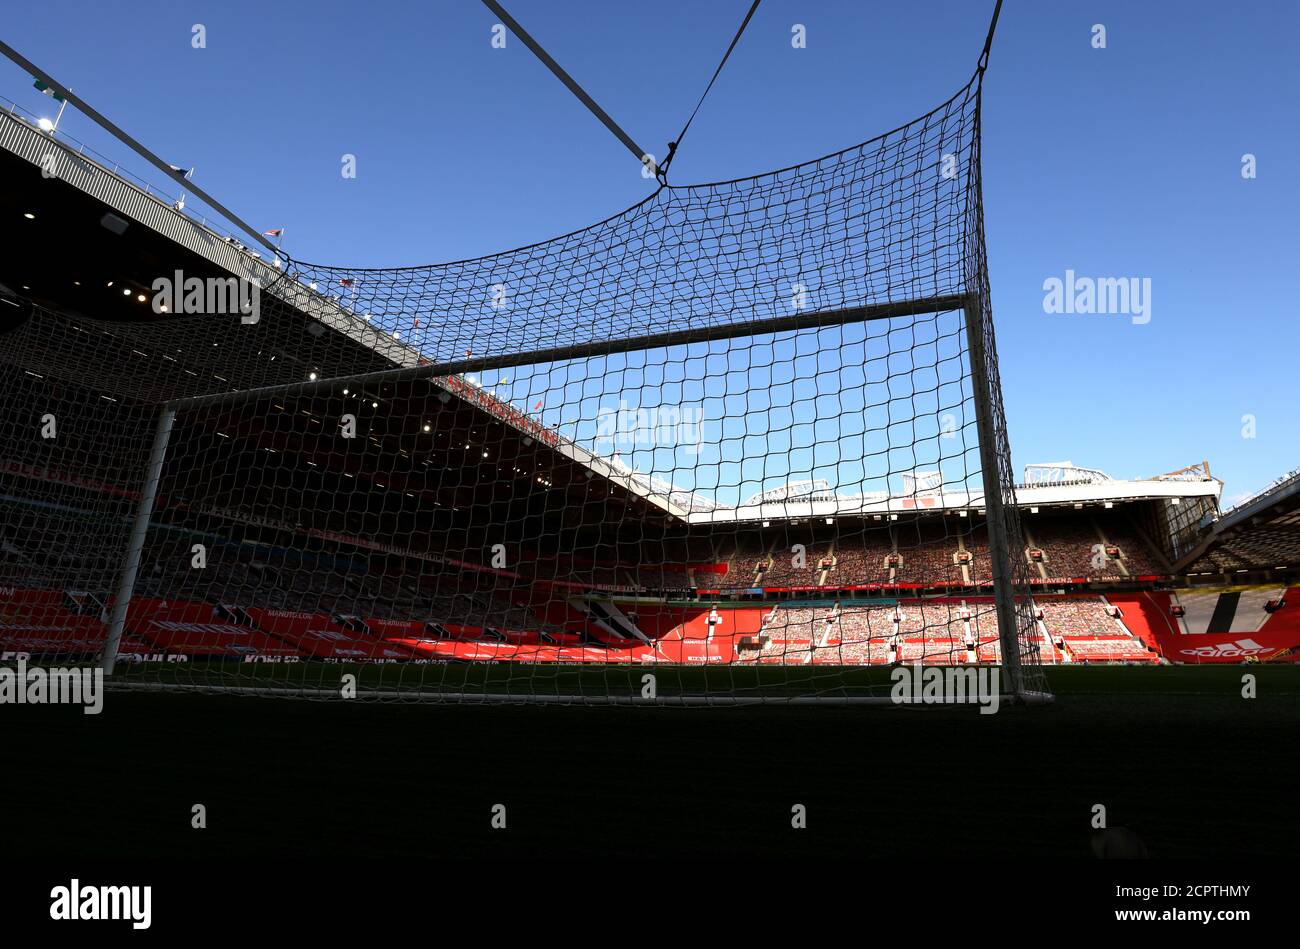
[[183, 172], [274, 232], [345, 281], [49, 90]]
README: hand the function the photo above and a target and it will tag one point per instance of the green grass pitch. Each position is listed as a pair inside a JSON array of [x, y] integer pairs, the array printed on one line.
[[1174, 753]]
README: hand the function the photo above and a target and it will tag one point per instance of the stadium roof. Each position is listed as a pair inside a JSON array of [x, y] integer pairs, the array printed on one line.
[[1260, 533], [1061, 484], [89, 223], [1063, 494]]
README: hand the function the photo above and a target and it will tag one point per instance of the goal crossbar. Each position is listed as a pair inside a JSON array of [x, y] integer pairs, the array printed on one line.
[[792, 322]]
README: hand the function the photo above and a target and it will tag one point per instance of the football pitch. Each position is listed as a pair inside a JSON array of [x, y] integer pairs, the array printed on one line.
[[1176, 754], [410, 681]]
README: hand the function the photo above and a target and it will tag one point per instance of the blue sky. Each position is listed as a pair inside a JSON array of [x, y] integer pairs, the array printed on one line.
[[1124, 161]]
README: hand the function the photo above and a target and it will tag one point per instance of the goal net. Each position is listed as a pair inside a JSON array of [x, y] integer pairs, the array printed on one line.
[[742, 442]]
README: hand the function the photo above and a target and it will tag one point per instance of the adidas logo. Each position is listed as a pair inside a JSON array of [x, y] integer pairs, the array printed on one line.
[[1242, 647]]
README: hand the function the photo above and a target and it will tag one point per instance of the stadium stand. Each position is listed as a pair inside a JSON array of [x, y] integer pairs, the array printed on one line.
[[1066, 617], [1084, 631], [265, 594], [784, 573], [861, 559], [1068, 544], [932, 632], [1257, 540], [863, 635]]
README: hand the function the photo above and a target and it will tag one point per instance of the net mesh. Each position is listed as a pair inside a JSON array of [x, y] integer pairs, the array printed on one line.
[[733, 442]]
